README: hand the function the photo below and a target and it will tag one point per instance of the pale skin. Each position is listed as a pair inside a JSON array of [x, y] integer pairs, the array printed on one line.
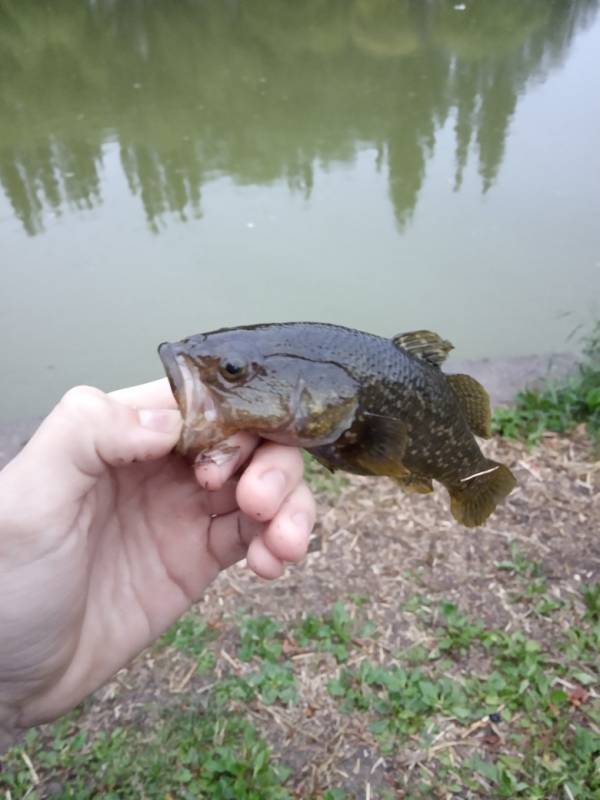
[[107, 537]]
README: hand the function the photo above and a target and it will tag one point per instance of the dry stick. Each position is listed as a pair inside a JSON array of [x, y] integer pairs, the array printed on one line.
[[294, 728], [185, 680], [34, 776]]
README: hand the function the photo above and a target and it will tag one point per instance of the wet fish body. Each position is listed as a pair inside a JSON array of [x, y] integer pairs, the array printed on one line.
[[358, 402]]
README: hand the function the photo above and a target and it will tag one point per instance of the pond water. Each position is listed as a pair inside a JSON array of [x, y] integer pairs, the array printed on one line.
[[168, 168]]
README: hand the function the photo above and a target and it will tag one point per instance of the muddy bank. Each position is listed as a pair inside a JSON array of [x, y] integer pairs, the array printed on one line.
[[503, 378]]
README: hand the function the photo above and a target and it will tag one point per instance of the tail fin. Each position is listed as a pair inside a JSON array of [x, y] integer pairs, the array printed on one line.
[[476, 497]]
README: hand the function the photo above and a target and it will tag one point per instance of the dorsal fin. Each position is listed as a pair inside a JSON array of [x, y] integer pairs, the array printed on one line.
[[424, 344], [475, 402]]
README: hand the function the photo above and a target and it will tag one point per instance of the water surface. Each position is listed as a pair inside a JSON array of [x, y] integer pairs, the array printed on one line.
[[167, 168]]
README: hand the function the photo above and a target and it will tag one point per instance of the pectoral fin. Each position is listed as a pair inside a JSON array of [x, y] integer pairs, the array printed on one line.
[[374, 445], [425, 345], [381, 445], [475, 403]]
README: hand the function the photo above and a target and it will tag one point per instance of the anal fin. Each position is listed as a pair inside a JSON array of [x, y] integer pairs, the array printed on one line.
[[416, 484]]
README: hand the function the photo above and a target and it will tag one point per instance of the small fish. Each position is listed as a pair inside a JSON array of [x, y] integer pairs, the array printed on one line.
[[358, 402]]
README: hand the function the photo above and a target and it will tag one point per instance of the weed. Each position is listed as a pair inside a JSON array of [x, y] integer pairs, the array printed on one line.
[[403, 699], [557, 407], [190, 635], [332, 633], [543, 703], [457, 632], [233, 689], [205, 662], [547, 606], [525, 691], [520, 565], [188, 756], [275, 683], [591, 598], [261, 637]]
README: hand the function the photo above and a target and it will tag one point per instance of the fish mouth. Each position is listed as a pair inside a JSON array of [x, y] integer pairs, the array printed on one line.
[[193, 397]]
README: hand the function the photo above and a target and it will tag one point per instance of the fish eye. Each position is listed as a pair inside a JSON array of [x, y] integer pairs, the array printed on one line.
[[232, 368]]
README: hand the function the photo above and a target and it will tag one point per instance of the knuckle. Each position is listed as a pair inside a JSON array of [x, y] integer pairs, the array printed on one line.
[[83, 401]]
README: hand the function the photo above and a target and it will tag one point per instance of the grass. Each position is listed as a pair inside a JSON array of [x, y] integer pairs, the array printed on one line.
[[558, 407], [524, 724], [334, 632], [260, 637], [186, 754], [522, 703]]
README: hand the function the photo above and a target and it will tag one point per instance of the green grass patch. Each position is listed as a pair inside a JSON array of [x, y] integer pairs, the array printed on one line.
[[334, 632], [272, 683], [542, 699], [275, 683], [557, 407], [591, 598], [190, 635], [261, 637], [520, 565], [186, 754], [542, 702]]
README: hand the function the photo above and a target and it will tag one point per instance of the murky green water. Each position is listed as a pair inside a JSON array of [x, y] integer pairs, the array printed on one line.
[[170, 167]]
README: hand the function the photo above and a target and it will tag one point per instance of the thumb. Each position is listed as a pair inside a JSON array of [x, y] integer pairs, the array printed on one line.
[[89, 431]]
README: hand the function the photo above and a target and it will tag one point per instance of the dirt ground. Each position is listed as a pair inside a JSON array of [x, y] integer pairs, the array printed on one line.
[[387, 548]]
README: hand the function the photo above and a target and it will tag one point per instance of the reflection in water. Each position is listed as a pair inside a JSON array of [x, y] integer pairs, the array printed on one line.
[[258, 91]]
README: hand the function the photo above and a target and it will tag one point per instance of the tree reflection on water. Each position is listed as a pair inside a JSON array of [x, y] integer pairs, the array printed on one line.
[[259, 91]]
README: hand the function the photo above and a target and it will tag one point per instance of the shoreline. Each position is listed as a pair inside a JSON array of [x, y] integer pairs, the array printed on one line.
[[502, 377]]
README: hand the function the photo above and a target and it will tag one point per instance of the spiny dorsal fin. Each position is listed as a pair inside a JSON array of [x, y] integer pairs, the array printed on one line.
[[424, 344], [475, 402]]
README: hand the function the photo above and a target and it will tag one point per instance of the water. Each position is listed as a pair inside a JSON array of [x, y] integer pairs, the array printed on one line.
[[167, 168]]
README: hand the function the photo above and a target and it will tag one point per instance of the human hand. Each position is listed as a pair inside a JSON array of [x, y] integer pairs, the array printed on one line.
[[107, 537]]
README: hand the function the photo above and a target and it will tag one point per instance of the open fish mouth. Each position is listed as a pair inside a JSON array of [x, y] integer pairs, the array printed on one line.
[[194, 399]]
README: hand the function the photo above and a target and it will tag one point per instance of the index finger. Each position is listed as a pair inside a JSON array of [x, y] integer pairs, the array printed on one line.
[[155, 394]]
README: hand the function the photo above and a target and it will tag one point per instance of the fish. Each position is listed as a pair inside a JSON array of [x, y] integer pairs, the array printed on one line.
[[356, 401]]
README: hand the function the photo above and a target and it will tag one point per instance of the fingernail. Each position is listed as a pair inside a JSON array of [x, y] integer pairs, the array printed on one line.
[[159, 420], [274, 480], [300, 520]]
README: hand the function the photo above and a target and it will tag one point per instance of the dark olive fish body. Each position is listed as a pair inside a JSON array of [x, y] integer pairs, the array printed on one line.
[[358, 402]]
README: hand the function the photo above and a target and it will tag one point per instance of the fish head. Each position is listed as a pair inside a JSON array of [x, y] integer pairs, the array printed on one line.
[[239, 379]]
